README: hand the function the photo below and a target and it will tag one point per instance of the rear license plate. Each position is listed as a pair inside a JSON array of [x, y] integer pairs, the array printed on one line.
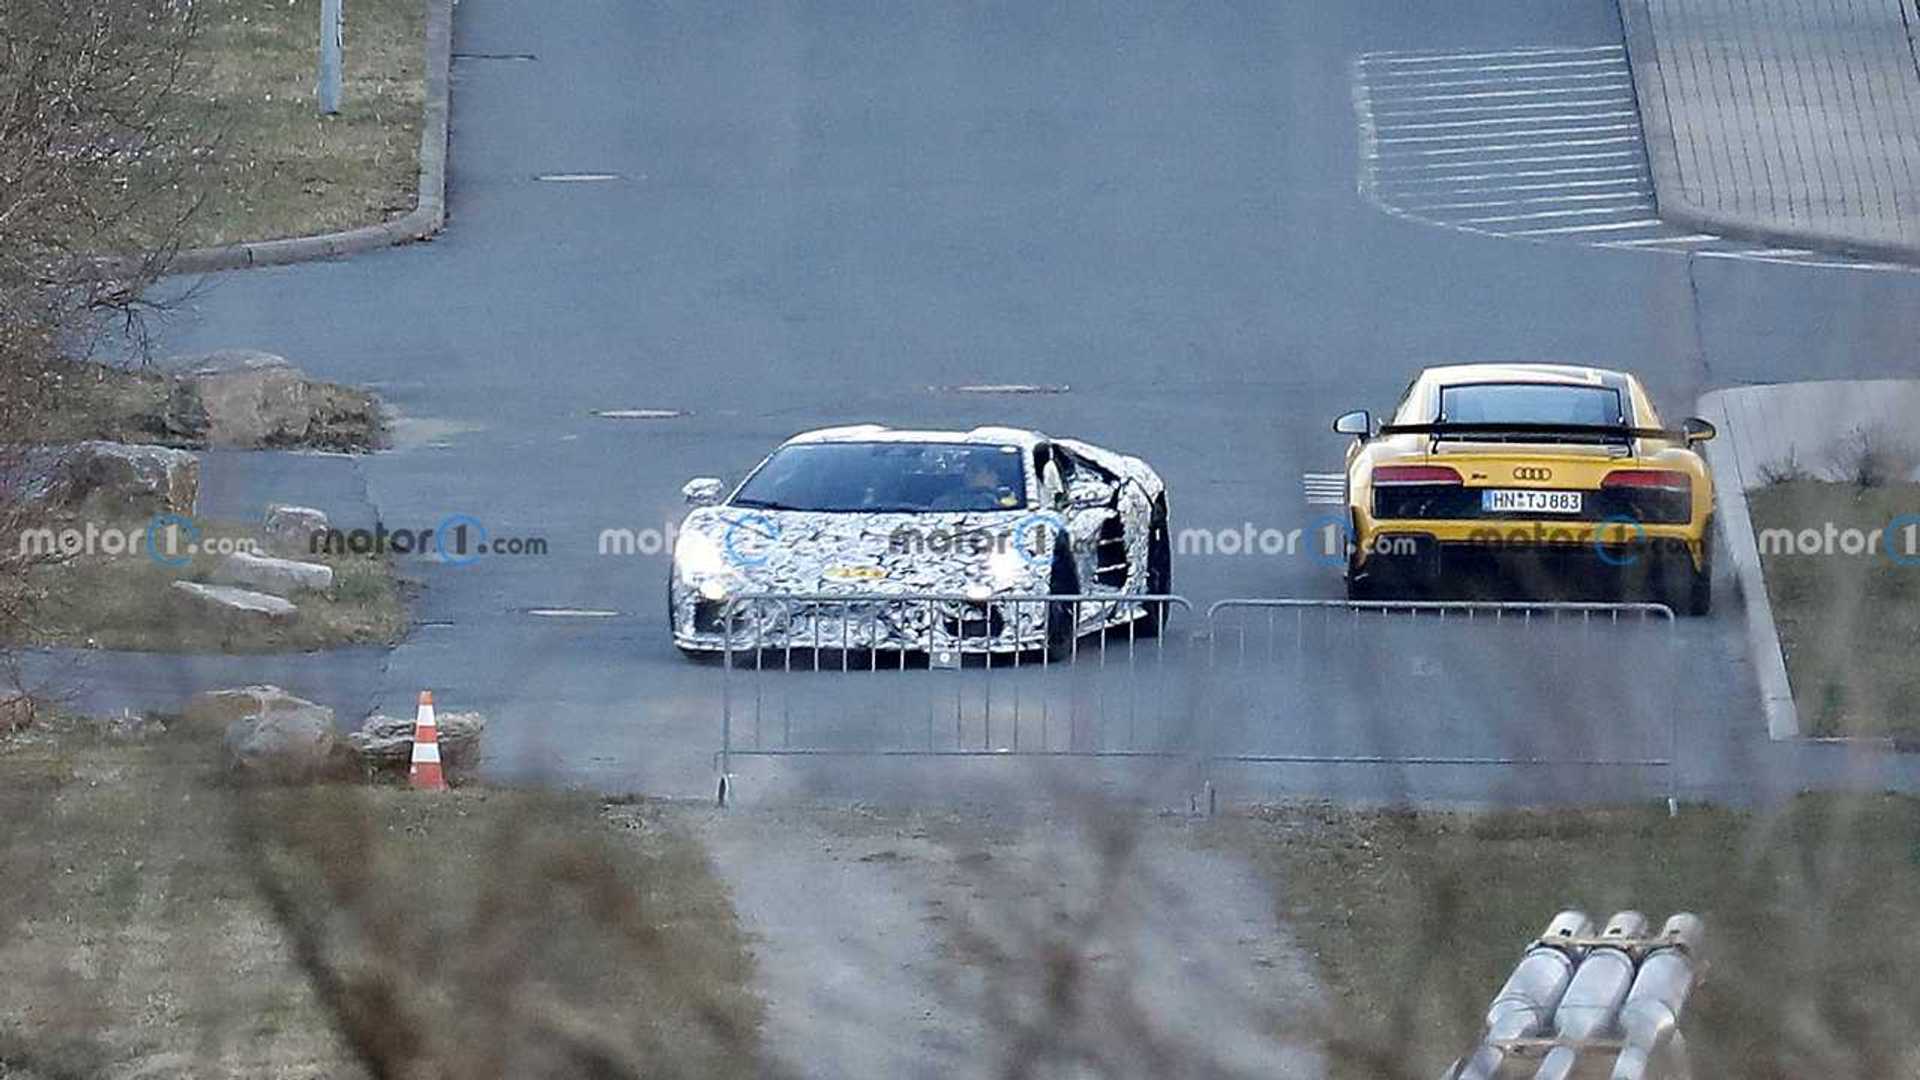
[[1510, 501]]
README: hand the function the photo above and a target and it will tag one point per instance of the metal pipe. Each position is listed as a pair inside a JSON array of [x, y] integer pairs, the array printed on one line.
[[1525, 1005], [1651, 1016], [1591, 1005]]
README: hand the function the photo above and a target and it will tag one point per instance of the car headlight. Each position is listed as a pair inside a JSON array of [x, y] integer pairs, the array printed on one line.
[[698, 555], [1007, 567]]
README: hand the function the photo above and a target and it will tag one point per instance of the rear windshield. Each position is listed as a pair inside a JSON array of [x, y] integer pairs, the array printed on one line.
[[1530, 403], [888, 477]]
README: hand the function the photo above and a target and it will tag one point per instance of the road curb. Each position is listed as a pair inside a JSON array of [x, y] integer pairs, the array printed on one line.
[[1663, 159], [1737, 540], [427, 217]]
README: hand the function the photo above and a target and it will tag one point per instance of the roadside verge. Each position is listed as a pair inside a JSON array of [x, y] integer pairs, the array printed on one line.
[[1778, 432], [1737, 540], [427, 217]]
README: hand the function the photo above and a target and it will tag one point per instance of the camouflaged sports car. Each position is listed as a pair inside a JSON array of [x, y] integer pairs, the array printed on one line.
[[870, 538]]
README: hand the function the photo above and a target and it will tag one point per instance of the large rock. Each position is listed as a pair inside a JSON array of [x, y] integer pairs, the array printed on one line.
[[290, 530], [386, 742], [239, 606], [281, 577], [277, 736], [118, 481], [263, 401], [245, 398]]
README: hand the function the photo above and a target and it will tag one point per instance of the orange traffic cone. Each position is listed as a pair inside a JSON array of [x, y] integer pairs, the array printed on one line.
[[425, 774]]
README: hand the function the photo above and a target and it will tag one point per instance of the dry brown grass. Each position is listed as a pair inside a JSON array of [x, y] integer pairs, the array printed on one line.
[[153, 916], [1417, 918], [277, 167], [127, 601], [1847, 623]]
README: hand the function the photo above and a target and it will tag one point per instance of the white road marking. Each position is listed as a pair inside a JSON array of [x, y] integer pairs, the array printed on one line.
[[1001, 388], [1567, 229], [639, 414], [1496, 80], [1542, 144], [1514, 107], [1588, 211], [1430, 166], [1635, 182], [1401, 56], [1690, 238], [572, 613], [1638, 196], [1484, 135], [577, 178], [1616, 114], [1507, 93], [1556, 144], [1525, 66]]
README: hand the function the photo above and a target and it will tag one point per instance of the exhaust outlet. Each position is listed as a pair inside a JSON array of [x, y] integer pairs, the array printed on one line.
[[1591, 1006], [1650, 1019], [1525, 1005]]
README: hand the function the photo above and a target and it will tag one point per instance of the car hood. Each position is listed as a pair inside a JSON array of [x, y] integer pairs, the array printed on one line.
[[807, 552]]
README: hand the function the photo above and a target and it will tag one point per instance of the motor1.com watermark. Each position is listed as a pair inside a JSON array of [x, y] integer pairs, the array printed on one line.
[[168, 539]]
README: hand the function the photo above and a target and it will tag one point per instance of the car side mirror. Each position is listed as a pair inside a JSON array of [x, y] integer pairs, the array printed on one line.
[[704, 491], [1697, 430], [1358, 424]]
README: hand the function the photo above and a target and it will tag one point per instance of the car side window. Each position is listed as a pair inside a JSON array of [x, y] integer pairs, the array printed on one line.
[[1407, 412]]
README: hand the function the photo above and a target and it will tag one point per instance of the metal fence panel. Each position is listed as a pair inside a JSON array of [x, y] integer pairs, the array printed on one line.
[[1279, 681]]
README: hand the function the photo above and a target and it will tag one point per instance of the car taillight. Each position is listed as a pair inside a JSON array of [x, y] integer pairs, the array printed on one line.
[[1649, 480], [1415, 474]]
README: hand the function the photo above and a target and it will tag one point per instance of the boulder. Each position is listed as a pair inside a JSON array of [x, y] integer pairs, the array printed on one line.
[[289, 530], [213, 710], [260, 403], [281, 577], [283, 738], [117, 481], [236, 605], [386, 742], [246, 398]]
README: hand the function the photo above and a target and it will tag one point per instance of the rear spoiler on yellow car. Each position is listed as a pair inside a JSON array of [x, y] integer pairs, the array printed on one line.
[[1591, 431]]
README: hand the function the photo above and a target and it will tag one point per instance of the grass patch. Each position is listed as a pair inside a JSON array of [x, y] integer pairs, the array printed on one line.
[[1417, 919], [277, 168], [1847, 623], [151, 915], [127, 602]]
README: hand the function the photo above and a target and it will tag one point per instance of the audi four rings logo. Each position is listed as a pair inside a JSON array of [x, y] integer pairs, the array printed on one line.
[[1532, 472]]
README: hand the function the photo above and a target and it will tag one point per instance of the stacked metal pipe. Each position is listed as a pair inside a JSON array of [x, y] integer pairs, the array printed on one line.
[[1582, 996]]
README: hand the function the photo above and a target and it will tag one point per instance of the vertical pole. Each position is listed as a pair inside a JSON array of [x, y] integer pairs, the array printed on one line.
[[332, 18]]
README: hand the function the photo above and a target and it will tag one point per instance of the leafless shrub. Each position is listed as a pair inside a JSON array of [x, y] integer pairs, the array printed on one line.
[[550, 958], [1786, 470], [90, 118], [1873, 457]]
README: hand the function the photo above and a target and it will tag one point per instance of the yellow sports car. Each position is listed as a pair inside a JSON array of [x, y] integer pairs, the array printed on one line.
[[1515, 467]]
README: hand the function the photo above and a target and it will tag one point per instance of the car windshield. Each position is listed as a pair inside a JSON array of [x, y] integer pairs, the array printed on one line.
[[882, 477], [1531, 403]]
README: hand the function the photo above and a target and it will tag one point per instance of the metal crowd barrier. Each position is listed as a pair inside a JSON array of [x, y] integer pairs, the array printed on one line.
[[951, 675], [1270, 637], [1004, 697]]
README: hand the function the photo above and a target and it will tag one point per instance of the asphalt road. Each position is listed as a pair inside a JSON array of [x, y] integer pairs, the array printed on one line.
[[824, 214]]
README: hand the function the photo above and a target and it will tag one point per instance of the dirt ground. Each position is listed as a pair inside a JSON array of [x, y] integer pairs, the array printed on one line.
[[904, 944]]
